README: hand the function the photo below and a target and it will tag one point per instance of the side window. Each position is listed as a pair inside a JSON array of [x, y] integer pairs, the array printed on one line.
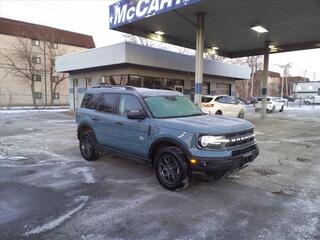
[[129, 103], [230, 100], [107, 102], [219, 99], [90, 100]]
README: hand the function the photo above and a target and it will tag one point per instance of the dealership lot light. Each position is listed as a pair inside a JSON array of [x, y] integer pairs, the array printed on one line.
[[159, 33], [259, 29]]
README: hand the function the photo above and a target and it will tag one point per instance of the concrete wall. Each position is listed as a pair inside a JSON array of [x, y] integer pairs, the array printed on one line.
[[96, 76], [14, 88]]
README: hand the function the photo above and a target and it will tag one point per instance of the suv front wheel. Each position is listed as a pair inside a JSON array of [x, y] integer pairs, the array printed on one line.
[[87, 144], [171, 168]]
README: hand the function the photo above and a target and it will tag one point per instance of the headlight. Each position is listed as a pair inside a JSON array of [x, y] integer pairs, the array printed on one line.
[[206, 140]]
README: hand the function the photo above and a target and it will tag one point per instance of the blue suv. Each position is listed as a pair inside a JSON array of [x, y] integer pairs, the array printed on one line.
[[163, 128]]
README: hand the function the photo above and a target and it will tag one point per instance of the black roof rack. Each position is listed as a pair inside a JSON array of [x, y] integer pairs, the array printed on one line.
[[132, 88], [115, 86]]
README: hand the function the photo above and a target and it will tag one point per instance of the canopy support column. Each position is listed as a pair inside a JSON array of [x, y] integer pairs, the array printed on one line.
[[199, 59], [264, 84]]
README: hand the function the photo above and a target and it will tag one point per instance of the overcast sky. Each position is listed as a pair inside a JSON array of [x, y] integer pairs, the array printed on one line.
[[91, 17]]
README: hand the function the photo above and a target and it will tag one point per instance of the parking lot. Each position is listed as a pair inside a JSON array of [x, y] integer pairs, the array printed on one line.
[[48, 191]]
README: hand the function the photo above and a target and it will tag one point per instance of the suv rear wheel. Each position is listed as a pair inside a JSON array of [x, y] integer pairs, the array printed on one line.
[[87, 144], [171, 168]]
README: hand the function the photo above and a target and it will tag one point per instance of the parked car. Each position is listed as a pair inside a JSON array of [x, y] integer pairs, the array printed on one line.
[[282, 99], [243, 101], [165, 129], [312, 100], [222, 105], [273, 104], [253, 100], [290, 98]]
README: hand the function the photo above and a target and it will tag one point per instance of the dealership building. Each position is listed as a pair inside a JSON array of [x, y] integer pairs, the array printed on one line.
[[135, 65]]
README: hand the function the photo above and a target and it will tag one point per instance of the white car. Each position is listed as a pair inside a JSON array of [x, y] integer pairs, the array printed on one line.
[[273, 104], [222, 105], [312, 100]]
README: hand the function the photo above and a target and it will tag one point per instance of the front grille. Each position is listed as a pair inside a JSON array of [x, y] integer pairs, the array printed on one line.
[[240, 138], [243, 150]]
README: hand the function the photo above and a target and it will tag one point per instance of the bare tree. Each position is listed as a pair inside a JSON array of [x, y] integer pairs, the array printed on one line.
[[246, 88], [255, 63], [138, 40], [286, 73], [23, 63], [51, 51]]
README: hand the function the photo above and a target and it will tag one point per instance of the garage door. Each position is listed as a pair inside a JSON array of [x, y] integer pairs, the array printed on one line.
[[223, 89]]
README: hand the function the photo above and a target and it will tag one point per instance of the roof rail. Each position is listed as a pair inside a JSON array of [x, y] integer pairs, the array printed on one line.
[[115, 86]]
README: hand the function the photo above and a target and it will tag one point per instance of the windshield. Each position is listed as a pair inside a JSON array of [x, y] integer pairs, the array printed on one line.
[[171, 107]]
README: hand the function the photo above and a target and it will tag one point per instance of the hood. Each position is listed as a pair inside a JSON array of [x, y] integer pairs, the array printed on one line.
[[210, 124]]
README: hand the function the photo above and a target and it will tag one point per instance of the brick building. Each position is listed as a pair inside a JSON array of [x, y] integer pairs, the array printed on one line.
[[27, 53]]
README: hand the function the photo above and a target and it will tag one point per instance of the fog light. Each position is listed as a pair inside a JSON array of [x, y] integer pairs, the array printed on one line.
[[193, 161]]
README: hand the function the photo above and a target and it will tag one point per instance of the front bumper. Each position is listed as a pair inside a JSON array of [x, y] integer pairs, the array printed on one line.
[[239, 159]]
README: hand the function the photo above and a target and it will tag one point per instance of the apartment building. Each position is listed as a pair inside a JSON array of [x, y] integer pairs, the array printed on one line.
[[27, 66]]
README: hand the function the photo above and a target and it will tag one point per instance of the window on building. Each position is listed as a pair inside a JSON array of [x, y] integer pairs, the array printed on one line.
[[35, 42], [36, 60], [135, 81], [37, 95], [107, 102], [88, 82], [116, 80], [37, 77], [75, 82], [129, 103], [54, 45], [56, 96], [206, 88]]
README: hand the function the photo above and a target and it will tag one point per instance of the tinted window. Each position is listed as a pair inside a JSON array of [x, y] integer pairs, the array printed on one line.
[[206, 99], [90, 100], [231, 100], [129, 103], [107, 102], [221, 99]]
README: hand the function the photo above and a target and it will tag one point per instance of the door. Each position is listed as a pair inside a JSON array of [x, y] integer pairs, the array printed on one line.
[[104, 118], [134, 133]]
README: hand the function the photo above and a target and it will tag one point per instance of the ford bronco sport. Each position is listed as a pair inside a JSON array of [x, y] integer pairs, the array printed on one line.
[[165, 129]]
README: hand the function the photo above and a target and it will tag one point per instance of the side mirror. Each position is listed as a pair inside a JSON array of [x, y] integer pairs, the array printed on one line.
[[136, 114]]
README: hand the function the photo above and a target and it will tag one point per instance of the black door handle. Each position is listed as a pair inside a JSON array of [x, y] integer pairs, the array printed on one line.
[[94, 119], [119, 123]]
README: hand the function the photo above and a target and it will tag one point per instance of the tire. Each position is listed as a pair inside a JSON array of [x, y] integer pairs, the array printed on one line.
[[308, 103], [218, 113], [87, 145], [282, 108], [241, 115], [171, 168]]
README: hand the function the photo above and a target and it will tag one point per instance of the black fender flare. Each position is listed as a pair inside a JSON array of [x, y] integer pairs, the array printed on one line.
[[85, 125], [165, 140]]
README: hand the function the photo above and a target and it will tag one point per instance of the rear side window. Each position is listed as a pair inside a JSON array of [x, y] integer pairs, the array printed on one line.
[[90, 100], [107, 102], [206, 99]]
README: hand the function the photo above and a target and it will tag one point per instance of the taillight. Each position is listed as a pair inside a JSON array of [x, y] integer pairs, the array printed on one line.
[[207, 104]]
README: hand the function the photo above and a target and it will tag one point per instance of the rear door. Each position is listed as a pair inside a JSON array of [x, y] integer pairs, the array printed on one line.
[[104, 119]]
